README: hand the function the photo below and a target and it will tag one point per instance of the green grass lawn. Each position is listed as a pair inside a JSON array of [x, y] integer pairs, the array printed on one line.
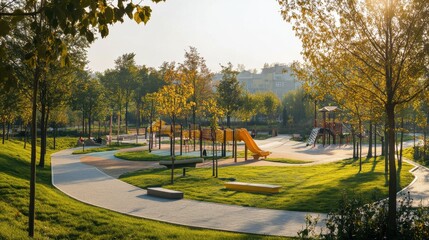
[[146, 156], [111, 147], [409, 153], [311, 188], [61, 217]]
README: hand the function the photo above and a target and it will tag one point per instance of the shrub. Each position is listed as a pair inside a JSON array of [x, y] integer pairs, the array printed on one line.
[[356, 220]]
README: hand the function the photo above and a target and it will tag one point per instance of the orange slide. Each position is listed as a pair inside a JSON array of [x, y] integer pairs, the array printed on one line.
[[243, 135]]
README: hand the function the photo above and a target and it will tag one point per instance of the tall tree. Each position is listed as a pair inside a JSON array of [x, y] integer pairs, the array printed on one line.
[[69, 17], [55, 86], [195, 72], [127, 71], [229, 92], [88, 97], [379, 47], [248, 108], [173, 101], [298, 106], [269, 106], [114, 92], [147, 81]]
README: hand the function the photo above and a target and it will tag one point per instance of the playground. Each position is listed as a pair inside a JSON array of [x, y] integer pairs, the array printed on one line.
[[93, 178]]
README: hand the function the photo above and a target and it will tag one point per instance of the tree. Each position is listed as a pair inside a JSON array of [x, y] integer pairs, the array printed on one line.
[[69, 17], [10, 103], [248, 108], [229, 92], [378, 47], [127, 77], [298, 107], [195, 72], [54, 88], [269, 106], [114, 92], [173, 101], [147, 81], [88, 98]]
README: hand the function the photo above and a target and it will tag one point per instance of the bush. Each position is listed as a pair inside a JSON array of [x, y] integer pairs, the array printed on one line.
[[356, 220]]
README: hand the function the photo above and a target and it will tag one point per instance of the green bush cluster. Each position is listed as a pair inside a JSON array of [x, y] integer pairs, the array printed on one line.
[[353, 219]]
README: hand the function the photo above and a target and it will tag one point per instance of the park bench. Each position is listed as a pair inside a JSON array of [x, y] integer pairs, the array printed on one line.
[[164, 193], [297, 137], [192, 162], [252, 187]]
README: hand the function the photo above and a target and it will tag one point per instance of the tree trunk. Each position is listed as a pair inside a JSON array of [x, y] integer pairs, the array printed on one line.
[[193, 117], [119, 126], [391, 222], [31, 213], [151, 139], [25, 137], [402, 143], [89, 123], [375, 140], [354, 144], [83, 123], [138, 122], [369, 155], [228, 120], [99, 129], [424, 142], [55, 135], [126, 117], [4, 131], [8, 130], [42, 131], [172, 148], [386, 149], [360, 145]]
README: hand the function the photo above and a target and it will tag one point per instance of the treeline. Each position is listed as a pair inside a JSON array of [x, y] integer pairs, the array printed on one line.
[[69, 95]]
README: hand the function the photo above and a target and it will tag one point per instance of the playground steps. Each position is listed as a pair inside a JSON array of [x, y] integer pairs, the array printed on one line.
[[313, 136]]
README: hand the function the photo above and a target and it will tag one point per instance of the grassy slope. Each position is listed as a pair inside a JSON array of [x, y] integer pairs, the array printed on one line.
[[60, 217], [311, 188], [409, 153]]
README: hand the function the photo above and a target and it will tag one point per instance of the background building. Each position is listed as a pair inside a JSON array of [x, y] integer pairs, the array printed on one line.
[[275, 78]]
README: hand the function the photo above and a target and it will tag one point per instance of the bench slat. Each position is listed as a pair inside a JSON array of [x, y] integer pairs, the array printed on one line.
[[164, 193], [182, 163], [252, 187]]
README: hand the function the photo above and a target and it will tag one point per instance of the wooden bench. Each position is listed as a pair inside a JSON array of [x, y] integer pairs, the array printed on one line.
[[252, 187], [164, 193], [192, 162], [297, 137]]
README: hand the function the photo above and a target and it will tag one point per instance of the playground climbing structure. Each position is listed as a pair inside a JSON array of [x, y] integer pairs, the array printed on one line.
[[329, 130], [206, 138]]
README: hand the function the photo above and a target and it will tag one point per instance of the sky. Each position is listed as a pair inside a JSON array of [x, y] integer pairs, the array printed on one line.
[[247, 32]]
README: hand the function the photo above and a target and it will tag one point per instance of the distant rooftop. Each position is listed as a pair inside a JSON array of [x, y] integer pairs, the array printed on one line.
[[329, 109]]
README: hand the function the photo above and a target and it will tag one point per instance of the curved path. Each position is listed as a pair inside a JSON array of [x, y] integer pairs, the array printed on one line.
[[86, 183]]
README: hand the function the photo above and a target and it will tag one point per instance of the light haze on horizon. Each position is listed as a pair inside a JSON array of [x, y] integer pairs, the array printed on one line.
[[248, 32]]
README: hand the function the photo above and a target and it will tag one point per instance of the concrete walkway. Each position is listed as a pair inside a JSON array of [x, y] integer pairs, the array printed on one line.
[[86, 183]]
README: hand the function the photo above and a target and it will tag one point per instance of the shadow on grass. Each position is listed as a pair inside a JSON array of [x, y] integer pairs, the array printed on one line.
[[327, 199]]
